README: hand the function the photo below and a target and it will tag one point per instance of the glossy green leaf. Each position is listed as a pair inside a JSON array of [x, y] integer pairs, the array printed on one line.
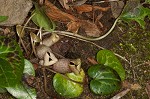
[[104, 87], [11, 62], [41, 20], [133, 11], [21, 91], [108, 59], [28, 68], [68, 88], [3, 18], [105, 80], [100, 72]]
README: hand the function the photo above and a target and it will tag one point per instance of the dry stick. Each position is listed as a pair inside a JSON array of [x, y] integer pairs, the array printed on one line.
[[83, 37], [45, 80], [121, 94], [132, 68], [106, 1], [22, 32], [86, 39]]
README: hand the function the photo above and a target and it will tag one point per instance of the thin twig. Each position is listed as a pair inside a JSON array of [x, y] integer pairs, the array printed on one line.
[[22, 32], [106, 1], [121, 94], [83, 37]]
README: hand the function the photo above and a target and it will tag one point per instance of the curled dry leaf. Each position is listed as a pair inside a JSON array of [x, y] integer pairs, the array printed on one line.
[[90, 28], [89, 8], [56, 14], [116, 8], [20, 31], [34, 37], [73, 26], [64, 3]]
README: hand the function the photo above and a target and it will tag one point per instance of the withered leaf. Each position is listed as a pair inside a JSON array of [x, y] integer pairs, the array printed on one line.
[[56, 14], [89, 8], [20, 31], [90, 28], [34, 37], [116, 8], [73, 26]]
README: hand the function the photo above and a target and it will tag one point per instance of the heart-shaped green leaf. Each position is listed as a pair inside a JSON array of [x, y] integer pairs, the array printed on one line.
[[105, 80], [28, 68], [68, 88], [104, 87], [41, 20], [133, 11], [21, 91], [3, 18], [100, 72], [108, 59], [11, 62]]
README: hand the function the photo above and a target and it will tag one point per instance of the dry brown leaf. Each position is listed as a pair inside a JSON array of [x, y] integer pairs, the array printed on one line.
[[89, 8], [92, 60], [116, 8], [90, 28], [56, 14], [135, 86], [73, 26], [64, 3]]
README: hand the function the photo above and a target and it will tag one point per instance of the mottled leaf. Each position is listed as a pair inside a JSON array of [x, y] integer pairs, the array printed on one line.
[[104, 87], [11, 62], [105, 80], [28, 68], [99, 72], [108, 59], [133, 11], [21, 91], [68, 88]]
